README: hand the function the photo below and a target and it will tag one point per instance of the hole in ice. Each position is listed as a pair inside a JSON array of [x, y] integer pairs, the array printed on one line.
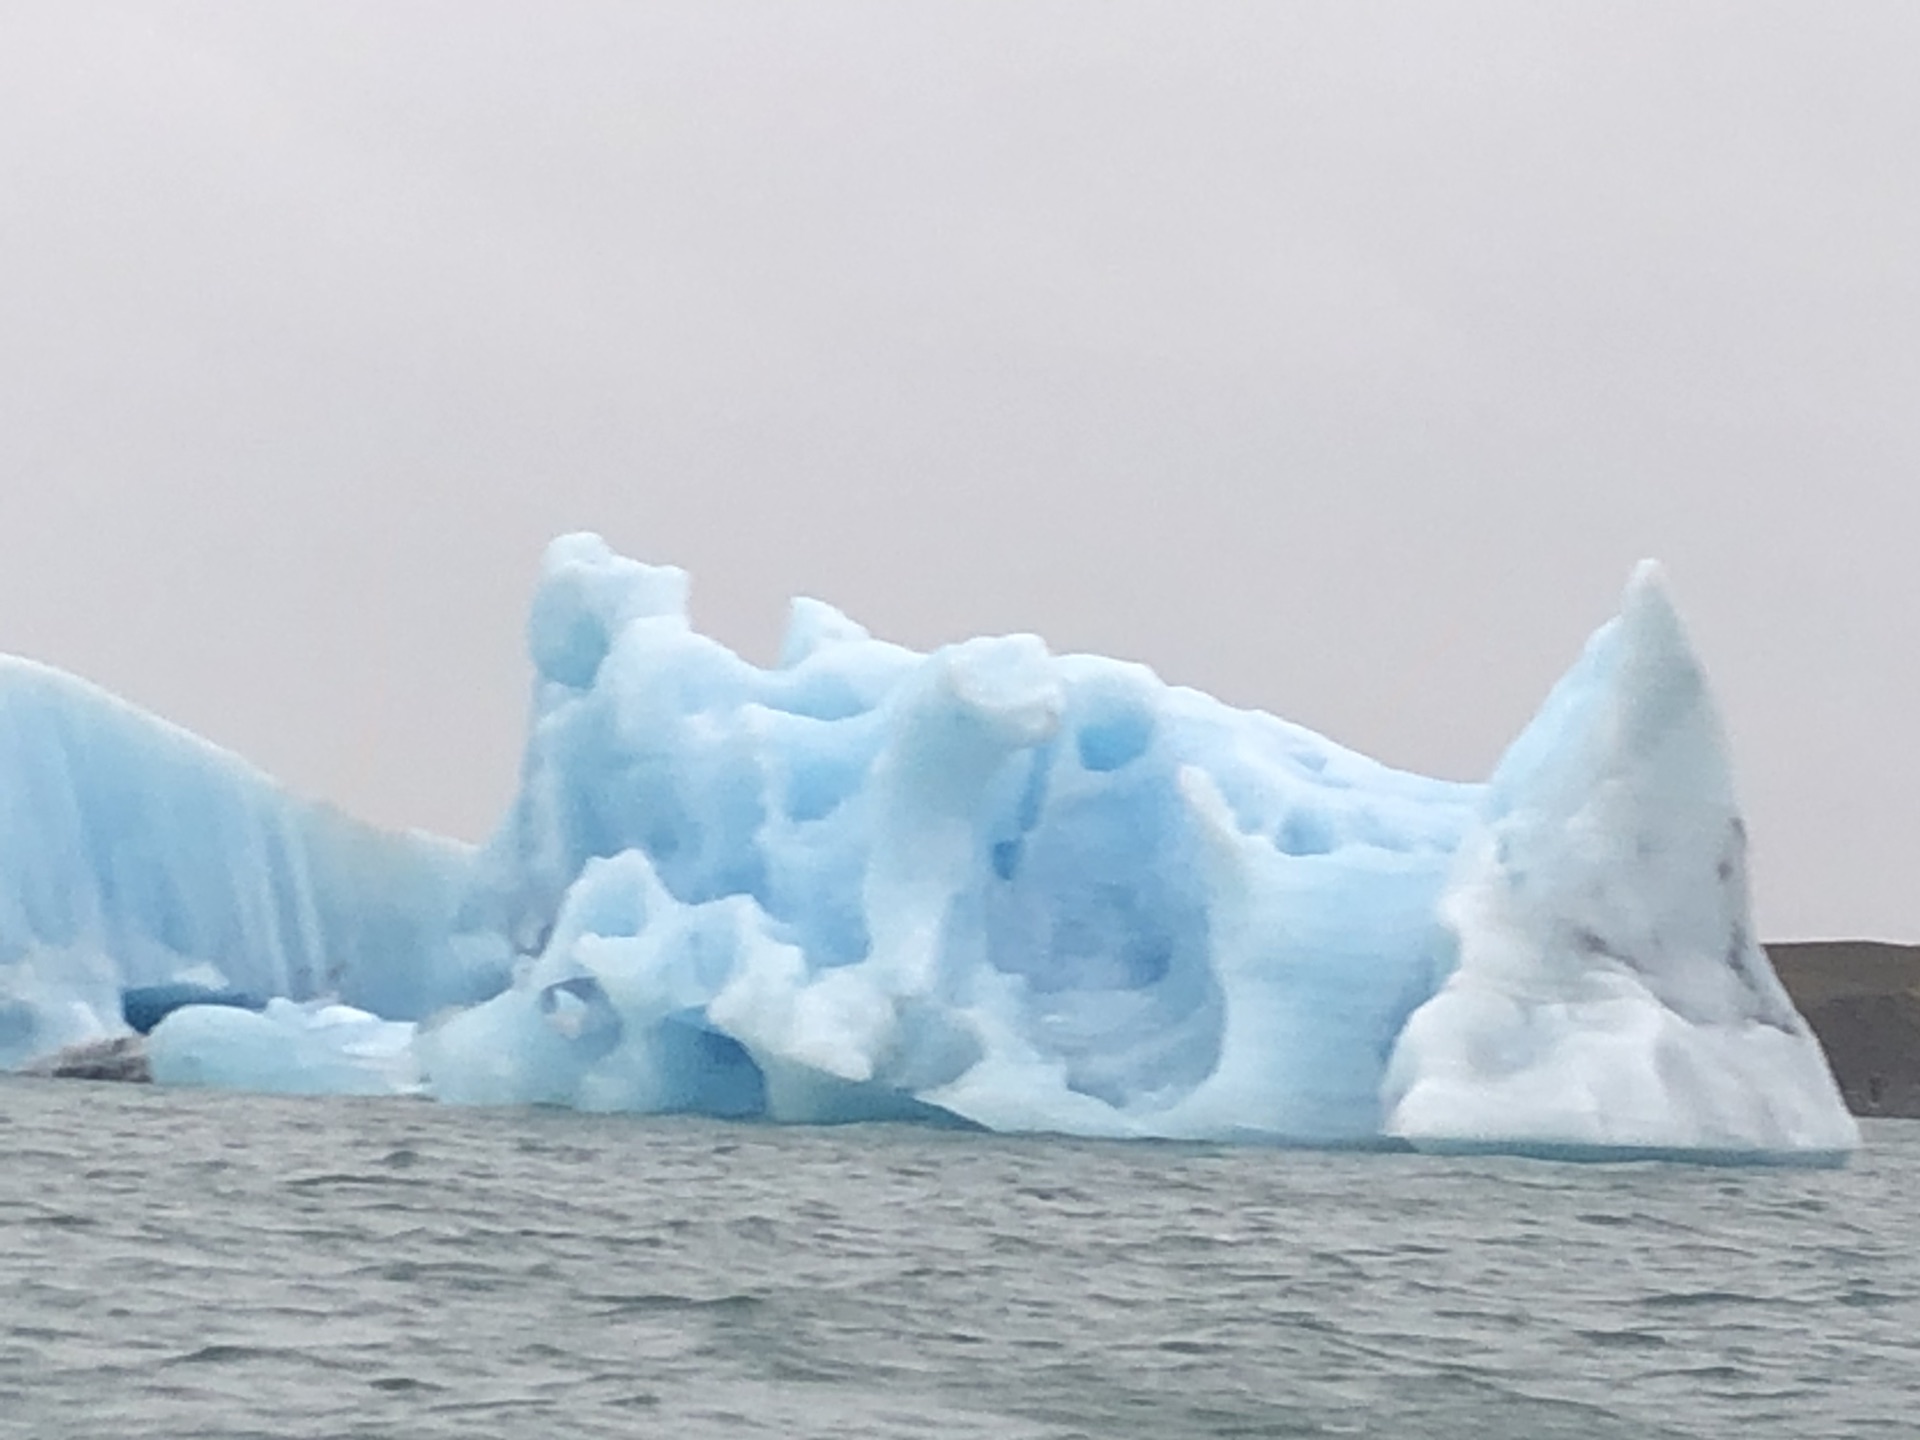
[[1006, 858], [818, 784], [1105, 918], [1305, 831], [1114, 738], [578, 1010], [713, 1072]]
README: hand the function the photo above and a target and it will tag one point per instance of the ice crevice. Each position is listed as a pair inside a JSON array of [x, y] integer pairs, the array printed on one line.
[[986, 886]]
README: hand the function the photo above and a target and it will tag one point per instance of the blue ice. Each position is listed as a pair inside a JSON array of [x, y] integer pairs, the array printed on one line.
[[985, 886]]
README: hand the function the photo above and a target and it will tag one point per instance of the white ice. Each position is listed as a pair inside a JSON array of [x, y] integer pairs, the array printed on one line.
[[1608, 991], [987, 886]]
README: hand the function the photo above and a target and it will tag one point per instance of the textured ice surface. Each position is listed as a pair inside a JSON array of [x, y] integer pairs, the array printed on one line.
[[991, 884], [134, 854], [1608, 991], [988, 886]]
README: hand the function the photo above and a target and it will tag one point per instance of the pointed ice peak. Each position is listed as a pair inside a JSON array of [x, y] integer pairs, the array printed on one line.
[[812, 626], [1638, 691], [1613, 819], [1659, 672], [1609, 988], [1649, 579]]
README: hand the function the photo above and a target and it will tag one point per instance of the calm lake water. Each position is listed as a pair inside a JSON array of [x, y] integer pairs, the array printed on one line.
[[174, 1264]]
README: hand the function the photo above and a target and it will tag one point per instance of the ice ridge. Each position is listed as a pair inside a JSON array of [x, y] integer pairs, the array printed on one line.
[[134, 854]]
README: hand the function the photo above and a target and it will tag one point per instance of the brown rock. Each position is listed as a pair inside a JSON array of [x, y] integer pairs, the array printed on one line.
[[124, 1057], [1862, 998]]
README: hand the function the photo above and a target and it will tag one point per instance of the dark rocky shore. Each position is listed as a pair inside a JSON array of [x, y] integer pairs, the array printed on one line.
[[1862, 998]]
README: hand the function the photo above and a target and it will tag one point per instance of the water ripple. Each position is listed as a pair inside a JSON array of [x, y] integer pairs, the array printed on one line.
[[227, 1266]]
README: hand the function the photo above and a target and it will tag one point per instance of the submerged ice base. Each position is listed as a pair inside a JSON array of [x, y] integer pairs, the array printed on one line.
[[987, 886]]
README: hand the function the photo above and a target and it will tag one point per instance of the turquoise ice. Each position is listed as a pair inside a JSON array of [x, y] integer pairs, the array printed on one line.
[[987, 885]]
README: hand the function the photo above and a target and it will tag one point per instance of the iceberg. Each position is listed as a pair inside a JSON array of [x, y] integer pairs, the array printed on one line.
[[985, 886], [138, 859]]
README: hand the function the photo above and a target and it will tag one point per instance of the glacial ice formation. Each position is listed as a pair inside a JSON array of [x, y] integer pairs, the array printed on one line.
[[987, 886], [1607, 991], [134, 854]]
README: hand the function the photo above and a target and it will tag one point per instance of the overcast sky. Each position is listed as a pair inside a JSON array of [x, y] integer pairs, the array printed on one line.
[[1336, 358]]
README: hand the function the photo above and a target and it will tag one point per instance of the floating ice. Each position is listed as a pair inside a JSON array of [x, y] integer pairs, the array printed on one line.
[[314, 1048], [133, 855], [986, 886], [1609, 992]]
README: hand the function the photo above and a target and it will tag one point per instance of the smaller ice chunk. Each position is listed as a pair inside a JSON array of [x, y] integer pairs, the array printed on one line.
[[290, 1048]]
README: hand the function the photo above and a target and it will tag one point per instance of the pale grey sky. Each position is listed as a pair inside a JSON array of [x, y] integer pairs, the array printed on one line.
[[1337, 358]]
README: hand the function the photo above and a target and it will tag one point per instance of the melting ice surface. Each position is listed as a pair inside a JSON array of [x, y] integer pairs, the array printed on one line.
[[986, 886]]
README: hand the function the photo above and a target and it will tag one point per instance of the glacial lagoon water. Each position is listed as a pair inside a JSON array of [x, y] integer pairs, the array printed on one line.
[[176, 1263]]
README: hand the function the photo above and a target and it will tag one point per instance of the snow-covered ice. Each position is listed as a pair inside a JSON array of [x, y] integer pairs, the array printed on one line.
[[987, 885]]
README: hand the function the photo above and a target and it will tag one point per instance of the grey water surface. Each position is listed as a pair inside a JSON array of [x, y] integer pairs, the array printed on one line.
[[176, 1263]]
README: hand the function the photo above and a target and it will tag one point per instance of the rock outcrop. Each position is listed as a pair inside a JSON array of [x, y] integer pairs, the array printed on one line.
[[1862, 998]]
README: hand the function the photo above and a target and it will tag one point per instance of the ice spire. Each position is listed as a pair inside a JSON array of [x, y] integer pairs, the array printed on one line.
[[1609, 991]]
